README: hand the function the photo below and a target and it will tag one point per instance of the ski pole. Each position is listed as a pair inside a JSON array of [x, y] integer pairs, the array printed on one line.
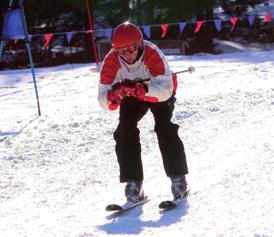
[[190, 69]]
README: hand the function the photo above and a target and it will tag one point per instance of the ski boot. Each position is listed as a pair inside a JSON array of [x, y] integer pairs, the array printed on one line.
[[134, 191], [179, 187]]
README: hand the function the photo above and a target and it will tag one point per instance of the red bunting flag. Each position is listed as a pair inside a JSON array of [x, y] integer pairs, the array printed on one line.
[[198, 26], [268, 18], [48, 39], [164, 28], [234, 21]]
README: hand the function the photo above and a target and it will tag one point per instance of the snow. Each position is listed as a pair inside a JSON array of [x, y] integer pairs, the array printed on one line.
[[264, 8], [59, 171], [259, 10]]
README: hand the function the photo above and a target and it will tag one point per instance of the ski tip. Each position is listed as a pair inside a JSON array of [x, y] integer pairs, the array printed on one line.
[[170, 204], [113, 207], [166, 205]]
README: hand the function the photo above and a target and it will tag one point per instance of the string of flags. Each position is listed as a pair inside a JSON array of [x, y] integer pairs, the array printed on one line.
[[147, 28]]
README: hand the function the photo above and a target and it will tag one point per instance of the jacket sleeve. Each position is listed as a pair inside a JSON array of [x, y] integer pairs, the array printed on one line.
[[108, 75], [161, 84]]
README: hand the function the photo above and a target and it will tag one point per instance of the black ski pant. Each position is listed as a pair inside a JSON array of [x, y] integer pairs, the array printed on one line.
[[128, 147]]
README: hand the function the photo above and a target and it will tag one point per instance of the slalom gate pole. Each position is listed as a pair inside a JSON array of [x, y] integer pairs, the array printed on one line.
[[21, 4], [1, 48], [10, 4], [93, 43], [34, 78]]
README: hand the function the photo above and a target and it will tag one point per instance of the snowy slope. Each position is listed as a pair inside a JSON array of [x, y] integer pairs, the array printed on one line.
[[58, 171]]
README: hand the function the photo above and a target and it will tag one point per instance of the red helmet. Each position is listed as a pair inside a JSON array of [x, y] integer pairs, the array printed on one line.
[[126, 34]]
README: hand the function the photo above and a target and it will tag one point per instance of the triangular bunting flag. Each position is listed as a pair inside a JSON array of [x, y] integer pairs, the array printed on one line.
[[48, 38], [198, 26], [218, 24], [251, 20], [182, 26], [234, 21], [69, 36], [268, 18], [88, 31], [108, 33], [147, 31], [164, 28]]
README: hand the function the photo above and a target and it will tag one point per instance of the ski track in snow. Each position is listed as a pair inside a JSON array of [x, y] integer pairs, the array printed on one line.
[[59, 171]]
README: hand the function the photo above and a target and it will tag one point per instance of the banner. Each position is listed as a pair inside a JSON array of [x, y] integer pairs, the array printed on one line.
[[164, 27], [218, 25], [47, 38], [147, 31], [69, 36], [234, 21], [198, 26]]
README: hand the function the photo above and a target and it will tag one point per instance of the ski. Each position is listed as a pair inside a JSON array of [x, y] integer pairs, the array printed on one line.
[[119, 209], [171, 204]]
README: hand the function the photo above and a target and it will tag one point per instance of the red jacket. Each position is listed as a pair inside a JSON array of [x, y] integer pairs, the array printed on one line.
[[152, 64]]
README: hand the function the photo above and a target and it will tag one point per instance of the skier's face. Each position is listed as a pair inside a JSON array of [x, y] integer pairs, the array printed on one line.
[[130, 57], [129, 54]]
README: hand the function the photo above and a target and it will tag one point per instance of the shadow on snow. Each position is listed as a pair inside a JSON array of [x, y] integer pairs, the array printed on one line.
[[130, 223], [10, 134]]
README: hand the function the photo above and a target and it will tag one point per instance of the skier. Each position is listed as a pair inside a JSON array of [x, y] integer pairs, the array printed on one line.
[[135, 75]]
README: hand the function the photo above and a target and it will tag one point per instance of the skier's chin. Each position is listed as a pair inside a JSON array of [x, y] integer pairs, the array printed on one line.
[[130, 59]]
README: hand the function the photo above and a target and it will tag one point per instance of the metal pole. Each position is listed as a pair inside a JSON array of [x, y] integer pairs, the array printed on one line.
[[21, 4], [34, 78], [10, 4], [1, 48], [190, 69], [91, 34]]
